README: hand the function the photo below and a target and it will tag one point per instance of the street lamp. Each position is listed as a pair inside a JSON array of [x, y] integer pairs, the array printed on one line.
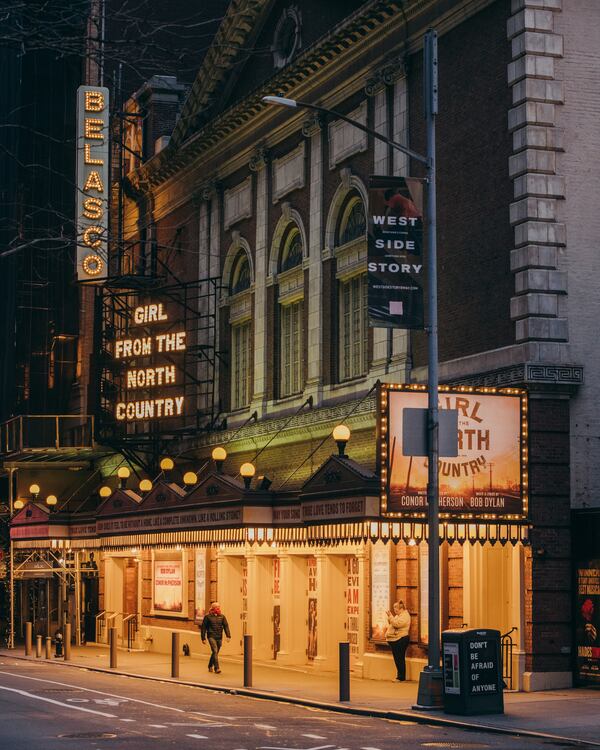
[[145, 485], [430, 691], [341, 435], [247, 470], [19, 504], [105, 492], [51, 501], [167, 464], [123, 473], [34, 491]]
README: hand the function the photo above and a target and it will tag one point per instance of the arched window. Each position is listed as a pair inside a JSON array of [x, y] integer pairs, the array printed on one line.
[[353, 325], [291, 315], [291, 254], [241, 333], [240, 278], [353, 223]]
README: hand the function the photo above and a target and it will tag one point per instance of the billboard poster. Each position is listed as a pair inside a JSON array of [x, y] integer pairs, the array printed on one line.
[[380, 590], [352, 604], [587, 623], [395, 252], [311, 648], [168, 586], [488, 476], [200, 585]]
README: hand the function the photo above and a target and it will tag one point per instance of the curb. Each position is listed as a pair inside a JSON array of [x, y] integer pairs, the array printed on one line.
[[415, 717]]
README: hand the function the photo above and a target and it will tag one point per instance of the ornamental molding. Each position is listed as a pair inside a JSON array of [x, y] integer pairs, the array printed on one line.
[[259, 159], [313, 124], [528, 374], [384, 76]]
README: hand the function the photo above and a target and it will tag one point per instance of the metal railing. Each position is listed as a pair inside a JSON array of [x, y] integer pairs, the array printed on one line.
[[46, 432], [101, 629], [130, 624], [506, 648]]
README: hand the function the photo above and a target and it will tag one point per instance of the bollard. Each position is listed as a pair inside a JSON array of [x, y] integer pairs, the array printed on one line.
[[48, 647], [28, 634], [38, 647], [67, 641], [112, 640], [174, 655], [344, 672], [247, 661]]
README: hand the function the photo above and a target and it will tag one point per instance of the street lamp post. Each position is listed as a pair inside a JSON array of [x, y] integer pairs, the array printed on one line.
[[430, 687]]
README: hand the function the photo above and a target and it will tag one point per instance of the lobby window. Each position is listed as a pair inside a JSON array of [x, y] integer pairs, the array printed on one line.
[[290, 326], [353, 325]]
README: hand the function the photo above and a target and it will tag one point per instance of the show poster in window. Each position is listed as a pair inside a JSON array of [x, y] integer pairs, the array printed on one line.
[[587, 619], [395, 252], [352, 604], [311, 650], [168, 586], [200, 584], [276, 606], [380, 590]]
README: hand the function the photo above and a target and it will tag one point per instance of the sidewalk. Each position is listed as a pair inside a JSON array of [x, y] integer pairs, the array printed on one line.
[[566, 714]]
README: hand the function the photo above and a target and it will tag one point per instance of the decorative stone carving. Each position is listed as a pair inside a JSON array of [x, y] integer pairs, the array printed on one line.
[[259, 159], [312, 125], [385, 76]]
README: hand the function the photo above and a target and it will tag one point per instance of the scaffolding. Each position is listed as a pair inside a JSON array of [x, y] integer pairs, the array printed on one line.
[[192, 307]]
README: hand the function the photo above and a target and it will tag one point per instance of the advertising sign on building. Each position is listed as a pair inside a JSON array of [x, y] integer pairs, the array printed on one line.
[[587, 623], [92, 183], [200, 584], [487, 479], [395, 252], [380, 590], [168, 586]]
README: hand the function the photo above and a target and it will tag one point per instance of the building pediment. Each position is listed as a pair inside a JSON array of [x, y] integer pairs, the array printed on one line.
[[215, 487], [32, 513], [340, 475], [121, 501], [163, 495]]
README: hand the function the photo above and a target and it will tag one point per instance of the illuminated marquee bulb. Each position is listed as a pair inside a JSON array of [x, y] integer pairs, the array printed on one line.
[[92, 265], [105, 491], [190, 478]]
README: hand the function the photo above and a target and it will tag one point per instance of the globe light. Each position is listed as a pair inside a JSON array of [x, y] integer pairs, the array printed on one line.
[[34, 489], [105, 491], [341, 435], [18, 504], [190, 478], [145, 485], [51, 500], [167, 464], [123, 472], [219, 454], [247, 470]]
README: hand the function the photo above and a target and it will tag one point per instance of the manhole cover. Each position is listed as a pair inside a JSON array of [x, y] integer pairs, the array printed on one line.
[[87, 736], [455, 745]]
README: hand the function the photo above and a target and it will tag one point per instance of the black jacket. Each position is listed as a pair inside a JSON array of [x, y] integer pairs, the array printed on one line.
[[213, 627]]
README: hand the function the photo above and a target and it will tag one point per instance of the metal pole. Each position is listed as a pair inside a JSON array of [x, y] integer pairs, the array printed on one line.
[[77, 599], [112, 640], [48, 647], [38, 647], [28, 645], [247, 661], [67, 645], [11, 562], [344, 672], [430, 688], [174, 655]]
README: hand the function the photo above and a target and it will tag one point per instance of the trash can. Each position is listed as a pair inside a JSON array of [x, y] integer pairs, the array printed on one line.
[[472, 668]]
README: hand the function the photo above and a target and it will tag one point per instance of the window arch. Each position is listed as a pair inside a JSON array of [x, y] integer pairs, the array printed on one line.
[[291, 249], [352, 224], [240, 276]]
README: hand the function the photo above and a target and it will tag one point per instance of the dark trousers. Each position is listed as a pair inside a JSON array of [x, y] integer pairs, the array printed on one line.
[[399, 653], [215, 647]]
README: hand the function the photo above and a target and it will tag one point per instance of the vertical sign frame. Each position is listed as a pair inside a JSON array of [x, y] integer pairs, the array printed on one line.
[[92, 181]]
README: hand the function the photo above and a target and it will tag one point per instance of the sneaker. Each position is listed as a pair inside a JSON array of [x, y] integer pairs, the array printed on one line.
[[217, 671], [210, 669]]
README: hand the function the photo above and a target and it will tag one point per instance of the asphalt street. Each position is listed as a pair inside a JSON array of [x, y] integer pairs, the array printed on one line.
[[43, 705]]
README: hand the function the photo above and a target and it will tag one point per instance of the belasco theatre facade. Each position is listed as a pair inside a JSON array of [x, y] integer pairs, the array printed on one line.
[[254, 220]]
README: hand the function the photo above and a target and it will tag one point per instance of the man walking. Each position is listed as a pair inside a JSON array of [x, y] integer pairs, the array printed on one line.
[[213, 625]]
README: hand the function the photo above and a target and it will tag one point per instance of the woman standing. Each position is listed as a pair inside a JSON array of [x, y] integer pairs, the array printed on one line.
[[397, 636]]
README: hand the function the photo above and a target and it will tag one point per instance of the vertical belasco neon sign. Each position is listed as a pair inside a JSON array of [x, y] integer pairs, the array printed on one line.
[[92, 183]]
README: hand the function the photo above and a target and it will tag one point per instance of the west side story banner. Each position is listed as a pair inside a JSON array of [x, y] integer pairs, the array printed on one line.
[[395, 252]]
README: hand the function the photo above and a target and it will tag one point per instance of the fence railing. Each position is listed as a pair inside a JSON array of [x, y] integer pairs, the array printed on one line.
[[35, 432], [506, 646], [130, 622]]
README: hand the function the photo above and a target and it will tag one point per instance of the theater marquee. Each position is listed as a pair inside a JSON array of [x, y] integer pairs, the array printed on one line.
[[488, 478]]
